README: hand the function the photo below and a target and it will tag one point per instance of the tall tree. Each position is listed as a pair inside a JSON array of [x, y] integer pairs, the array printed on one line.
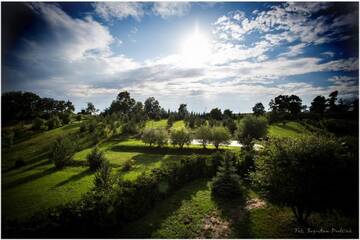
[[90, 109], [183, 112], [123, 103], [318, 105], [331, 101], [216, 114], [152, 108], [258, 109]]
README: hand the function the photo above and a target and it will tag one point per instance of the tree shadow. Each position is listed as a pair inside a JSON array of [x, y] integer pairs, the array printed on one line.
[[290, 128], [145, 226], [30, 178], [234, 210], [74, 178], [163, 150]]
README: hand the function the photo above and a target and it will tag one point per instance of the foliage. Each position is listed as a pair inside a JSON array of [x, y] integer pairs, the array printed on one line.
[[219, 135], [39, 124], [161, 137], [308, 174], [95, 159], [226, 183], [149, 136], [203, 133], [103, 178], [216, 114], [152, 108], [7, 138], [83, 127], [170, 121], [182, 112], [258, 109], [130, 127], [180, 137], [128, 165], [65, 118], [230, 124], [54, 122], [318, 105], [251, 128], [62, 151], [283, 103]]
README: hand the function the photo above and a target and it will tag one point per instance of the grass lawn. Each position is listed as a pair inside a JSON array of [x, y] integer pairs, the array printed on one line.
[[290, 129], [192, 212], [156, 124], [178, 124]]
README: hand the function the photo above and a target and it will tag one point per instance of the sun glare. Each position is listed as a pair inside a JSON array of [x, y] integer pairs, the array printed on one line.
[[195, 48]]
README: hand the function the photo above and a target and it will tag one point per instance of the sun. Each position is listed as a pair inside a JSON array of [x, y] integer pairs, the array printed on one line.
[[195, 48]]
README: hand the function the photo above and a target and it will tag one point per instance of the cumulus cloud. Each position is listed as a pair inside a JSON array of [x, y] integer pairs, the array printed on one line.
[[168, 9], [119, 10]]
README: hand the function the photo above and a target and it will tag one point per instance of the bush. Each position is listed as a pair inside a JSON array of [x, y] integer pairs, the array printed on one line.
[[78, 117], [246, 165], [130, 127], [62, 151], [128, 164], [103, 179], [219, 135], [156, 136], [180, 137], [226, 183], [66, 118], [95, 159], [83, 127], [53, 122], [251, 128], [39, 124], [203, 133], [313, 174]]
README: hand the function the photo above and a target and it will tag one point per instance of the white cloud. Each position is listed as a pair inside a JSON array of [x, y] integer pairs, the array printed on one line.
[[70, 38], [328, 53], [119, 10], [168, 9]]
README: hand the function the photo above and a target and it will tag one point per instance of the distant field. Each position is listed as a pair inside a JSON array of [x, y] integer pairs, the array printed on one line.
[[290, 129]]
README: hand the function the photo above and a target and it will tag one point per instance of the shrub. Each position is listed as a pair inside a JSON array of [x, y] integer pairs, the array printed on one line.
[[170, 121], [78, 117], [251, 128], [103, 178], [180, 137], [226, 183], [66, 118], [149, 136], [313, 174], [203, 133], [161, 137], [53, 122], [128, 164], [230, 124], [219, 135], [39, 124], [83, 127], [95, 159], [62, 151], [130, 127], [246, 164], [91, 126]]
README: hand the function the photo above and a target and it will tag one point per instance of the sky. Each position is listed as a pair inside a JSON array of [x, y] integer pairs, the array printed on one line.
[[228, 55]]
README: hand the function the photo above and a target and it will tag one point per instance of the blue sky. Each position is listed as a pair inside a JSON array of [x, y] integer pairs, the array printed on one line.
[[227, 55]]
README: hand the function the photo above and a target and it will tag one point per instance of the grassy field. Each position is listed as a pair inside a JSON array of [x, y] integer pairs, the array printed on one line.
[[290, 129], [38, 185], [192, 212]]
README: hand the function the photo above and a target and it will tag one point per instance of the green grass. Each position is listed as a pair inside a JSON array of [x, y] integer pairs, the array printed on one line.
[[156, 124], [39, 186], [178, 124], [290, 129]]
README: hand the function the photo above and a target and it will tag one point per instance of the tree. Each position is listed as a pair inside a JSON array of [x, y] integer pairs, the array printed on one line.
[[228, 113], [216, 114], [170, 121], [308, 174], [161, 137], [203, 133], [219, 135], [226, 183], [180, 137], [90, 109], [123, 104], [331, 101], [149, 136], [152, 108], [183, 112], [103, 179], [62, 151], [230, 124], [258, 109], [318, 105], [95, 158], [251, 128], [294, 104]]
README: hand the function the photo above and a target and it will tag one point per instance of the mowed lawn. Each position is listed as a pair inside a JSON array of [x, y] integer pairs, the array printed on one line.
[[38, 185], [289, 129]]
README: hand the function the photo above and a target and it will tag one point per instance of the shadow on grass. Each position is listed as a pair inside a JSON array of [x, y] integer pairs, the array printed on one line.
[[290, 128], [30, 178], [145, 226], [75, 178], [163, 150], [234, 210]]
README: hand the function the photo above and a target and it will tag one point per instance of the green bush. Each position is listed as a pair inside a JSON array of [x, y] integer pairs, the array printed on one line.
[[203, 133], [83, 127], [156, 136], [95, 159], [62, 151], [54, 122], [103, 178], [39, 124], [226, 183], [308, 174], [130, 127], [180, 137], [128, 165], [78, 117], [251, 128], [219, 135], [66, 118]]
